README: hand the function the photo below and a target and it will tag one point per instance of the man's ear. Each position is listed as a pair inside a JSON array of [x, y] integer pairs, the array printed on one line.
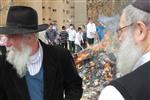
[[142, 31]]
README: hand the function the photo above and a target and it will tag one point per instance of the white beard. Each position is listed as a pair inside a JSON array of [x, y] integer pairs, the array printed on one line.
[[128, 55], [19, 59]]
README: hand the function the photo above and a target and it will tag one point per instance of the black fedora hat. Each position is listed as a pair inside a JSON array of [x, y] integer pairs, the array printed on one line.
[[22, 20]]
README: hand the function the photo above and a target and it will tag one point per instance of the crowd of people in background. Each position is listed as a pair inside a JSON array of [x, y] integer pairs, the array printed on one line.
[[75, 39]]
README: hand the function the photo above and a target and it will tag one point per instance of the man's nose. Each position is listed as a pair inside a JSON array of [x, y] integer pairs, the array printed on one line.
[[120, 38], [8, 43]]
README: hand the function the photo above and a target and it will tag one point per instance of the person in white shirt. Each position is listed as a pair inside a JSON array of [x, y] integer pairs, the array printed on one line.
[[134, 55], [91, 31], [71, 32], [78, 40]]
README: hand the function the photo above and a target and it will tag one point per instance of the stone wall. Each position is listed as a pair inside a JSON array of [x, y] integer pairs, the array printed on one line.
[[97, 8]]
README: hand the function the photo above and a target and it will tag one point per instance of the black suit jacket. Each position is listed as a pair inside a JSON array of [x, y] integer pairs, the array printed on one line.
[[60, 77]]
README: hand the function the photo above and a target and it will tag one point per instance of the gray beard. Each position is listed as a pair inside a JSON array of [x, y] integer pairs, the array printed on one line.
[[19, 59], [128, 55]]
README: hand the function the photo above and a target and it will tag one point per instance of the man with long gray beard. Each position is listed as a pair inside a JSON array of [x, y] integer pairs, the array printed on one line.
[[32, 70], [134, 55]]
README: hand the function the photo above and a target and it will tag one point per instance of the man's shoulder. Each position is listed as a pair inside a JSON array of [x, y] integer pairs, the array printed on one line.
[[54, 50], [60, 51], [143, 69], [140, 72], [136, 77], [2, 59], [4, 64]]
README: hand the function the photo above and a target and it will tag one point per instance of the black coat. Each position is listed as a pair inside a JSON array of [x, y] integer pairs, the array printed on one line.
[[2, 50], [60, 77]]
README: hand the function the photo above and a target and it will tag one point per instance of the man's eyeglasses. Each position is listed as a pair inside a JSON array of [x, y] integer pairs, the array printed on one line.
[[120, 30]]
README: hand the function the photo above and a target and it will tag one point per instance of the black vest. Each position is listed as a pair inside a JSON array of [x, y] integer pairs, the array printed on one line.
[[135, 85]]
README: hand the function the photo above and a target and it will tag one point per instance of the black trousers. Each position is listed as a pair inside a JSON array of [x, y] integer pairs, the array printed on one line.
[[90, 41], [72, 46], [64, 45]]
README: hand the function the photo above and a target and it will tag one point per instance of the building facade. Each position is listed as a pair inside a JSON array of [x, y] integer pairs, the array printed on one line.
[[97, 8]]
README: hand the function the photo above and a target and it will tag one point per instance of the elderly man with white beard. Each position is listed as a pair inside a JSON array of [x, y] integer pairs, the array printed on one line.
[[32, 70], [134, 55]]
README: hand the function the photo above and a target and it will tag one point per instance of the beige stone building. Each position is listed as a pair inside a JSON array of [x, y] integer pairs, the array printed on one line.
[[3, 10], [61, 12], [80, 12], [97, 8]]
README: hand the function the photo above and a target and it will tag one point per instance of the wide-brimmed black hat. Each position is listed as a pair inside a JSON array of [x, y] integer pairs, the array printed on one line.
[[22, 20]]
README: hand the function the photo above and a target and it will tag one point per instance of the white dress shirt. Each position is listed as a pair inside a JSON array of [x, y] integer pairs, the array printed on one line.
[[91, 30], [111, 93], [72, 34], [35, 62], [78, 38]]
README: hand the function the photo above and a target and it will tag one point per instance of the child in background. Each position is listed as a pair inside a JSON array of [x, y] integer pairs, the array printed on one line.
[[78, 40], [63, 37]]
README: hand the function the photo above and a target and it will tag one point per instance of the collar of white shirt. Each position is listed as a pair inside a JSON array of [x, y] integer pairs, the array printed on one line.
[[35, 62], [144, 59]]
